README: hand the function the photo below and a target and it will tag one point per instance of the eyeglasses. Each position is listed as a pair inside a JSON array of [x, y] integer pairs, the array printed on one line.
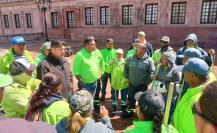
[[195, 111]]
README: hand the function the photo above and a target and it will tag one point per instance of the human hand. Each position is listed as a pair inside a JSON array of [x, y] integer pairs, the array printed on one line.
[[103, 111]]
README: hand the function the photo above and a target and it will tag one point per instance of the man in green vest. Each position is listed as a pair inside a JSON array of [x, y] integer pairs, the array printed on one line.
[[108, 54], [17, 51], [196, 74], [86, 66]]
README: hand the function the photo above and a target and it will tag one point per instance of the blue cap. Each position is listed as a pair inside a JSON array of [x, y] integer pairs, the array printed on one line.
[[190, 53], [195, 65], [18, 40]]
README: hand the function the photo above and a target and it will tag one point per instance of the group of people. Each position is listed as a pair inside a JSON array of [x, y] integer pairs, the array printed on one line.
[[42, 89]]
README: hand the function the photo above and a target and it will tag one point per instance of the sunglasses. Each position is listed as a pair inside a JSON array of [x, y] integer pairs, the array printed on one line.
[[195, 111]]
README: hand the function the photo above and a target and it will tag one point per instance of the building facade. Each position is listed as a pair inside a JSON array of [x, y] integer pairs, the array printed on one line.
[[120, 19]]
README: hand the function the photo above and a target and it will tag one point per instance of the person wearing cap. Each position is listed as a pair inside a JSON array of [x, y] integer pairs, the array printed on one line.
[[16, 95], [167, 72], [108, 54], [196, 74], [191, 41], [17, 51], [204, 110], [45, 49], [141, 37], [47, 104], [132, 51], [191, 53], [86, 66], [165, 46], [118, 82], [56, 63], [80, 121], [139, 70], [150, 112]]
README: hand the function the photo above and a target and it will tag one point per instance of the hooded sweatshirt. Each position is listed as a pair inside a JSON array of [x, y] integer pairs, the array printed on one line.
[[192, 37], [167, 74], [158, 53]]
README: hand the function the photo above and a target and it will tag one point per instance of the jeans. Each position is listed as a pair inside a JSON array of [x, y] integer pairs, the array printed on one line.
[[91, 87], [105, 78], [115, 94], [131, 92]]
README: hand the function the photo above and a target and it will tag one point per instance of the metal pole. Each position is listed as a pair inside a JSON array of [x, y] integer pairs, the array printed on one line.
[[45, 23]]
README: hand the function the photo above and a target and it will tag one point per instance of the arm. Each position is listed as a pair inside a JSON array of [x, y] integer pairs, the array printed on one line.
[[41, 70]]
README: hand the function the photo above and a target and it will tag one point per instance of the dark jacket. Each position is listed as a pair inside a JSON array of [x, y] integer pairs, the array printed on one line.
[[192, 37], [139, 71], [90, 127], [61, 68]]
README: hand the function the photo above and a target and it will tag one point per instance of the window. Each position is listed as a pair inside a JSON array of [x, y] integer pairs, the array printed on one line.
[[70, 19], [55, 19], [127, 14], [104, 15], [6, 21], [89, 15], [28, 20], [17, 20], [178, 13], [151, 13], [209, 12]]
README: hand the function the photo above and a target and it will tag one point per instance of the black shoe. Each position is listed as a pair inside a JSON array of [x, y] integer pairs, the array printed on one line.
[[127, 115]]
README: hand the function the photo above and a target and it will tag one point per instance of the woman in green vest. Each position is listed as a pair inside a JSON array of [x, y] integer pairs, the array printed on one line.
[[48, 104]]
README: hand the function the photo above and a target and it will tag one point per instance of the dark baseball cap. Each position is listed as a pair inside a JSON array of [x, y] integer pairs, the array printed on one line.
[[17, 125], [81, 102], [110, 40], [190, 53], [150, 102], [195, 65]]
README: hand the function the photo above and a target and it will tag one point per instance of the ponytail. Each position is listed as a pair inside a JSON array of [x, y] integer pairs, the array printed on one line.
[[158, 121], [76, 122]]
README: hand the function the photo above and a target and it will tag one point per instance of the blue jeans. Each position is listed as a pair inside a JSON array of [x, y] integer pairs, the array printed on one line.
[[115, 93], [105, 78], [91, 87]]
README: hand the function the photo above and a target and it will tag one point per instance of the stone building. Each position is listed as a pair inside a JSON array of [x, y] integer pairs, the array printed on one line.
[[120, 19]]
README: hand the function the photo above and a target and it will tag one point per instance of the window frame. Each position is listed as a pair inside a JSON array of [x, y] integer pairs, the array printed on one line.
[[17, 20], [28, 20], [178, 12], [208, 21], [55, 20], [89, 18], [106, 17], [152, 13], [129, 16], [71, 21], [6, 23]]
